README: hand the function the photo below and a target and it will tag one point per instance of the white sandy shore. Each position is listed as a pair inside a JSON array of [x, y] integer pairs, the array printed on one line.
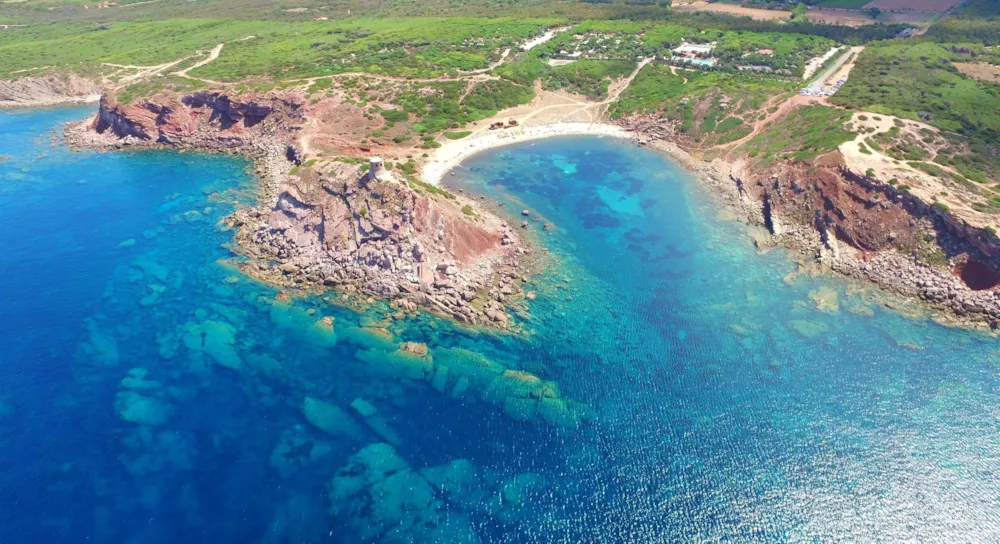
[[453, 153]]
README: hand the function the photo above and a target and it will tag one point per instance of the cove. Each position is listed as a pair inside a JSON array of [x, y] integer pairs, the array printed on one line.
[[150, 393]]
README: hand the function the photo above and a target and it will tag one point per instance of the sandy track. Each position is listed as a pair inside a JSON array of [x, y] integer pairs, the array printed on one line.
[[212, 56]]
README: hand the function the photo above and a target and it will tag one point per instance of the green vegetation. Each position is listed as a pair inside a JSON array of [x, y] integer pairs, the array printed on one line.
[[415, 47], [588, 77], [918, 82], [436, 107], [457, 135], [928, 168], [974, 21], [523, 71], [804, 134], [656, 89], [467, 210]]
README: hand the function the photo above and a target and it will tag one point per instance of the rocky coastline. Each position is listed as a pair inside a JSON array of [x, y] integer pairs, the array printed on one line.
[[334, 224], [843, 222], [47, 90], [470, 265]]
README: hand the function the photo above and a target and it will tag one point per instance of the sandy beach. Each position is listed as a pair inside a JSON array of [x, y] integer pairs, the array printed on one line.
[[453, 153]]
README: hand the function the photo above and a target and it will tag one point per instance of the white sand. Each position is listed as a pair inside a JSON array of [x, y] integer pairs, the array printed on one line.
[[452, 153]]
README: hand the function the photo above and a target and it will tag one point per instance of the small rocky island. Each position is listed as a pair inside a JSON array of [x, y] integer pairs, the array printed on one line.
[[345, 223]]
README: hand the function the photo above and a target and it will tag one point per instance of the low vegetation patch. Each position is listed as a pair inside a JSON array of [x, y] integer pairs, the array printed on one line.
[[804, 134]]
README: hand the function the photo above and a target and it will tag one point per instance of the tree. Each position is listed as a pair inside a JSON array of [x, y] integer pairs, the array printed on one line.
[[799, 11], [874, 12]]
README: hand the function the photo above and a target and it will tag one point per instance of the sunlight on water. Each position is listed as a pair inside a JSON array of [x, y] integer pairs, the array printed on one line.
[[673, 385]]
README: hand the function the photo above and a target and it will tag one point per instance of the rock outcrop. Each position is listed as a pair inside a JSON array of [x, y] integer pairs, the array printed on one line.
[[336, 225], [853, 224], [331, 224], [46, 90], [205, 119]]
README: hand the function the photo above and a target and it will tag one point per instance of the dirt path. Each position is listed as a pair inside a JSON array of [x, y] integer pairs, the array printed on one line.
[[814, 64], [783, 109], [673, 70], [142, 73], [212, 56], [503, 58]]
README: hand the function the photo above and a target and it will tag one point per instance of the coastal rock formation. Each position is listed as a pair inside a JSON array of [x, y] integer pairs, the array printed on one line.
[[859, 226], [873, 231], [205, 119], [336, 225], [46, 90], [331, 224]]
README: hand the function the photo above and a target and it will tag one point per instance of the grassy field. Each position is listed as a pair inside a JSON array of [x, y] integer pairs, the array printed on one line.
[[656, 89], [421, 47], [918, 81]]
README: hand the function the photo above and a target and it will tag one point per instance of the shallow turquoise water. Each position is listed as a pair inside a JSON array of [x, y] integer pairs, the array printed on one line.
[[152, 394]]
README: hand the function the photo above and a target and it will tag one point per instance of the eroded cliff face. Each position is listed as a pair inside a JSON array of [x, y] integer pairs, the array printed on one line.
[[868, 229], [819, 197], [203, 118], [335, 225], [34, 91]]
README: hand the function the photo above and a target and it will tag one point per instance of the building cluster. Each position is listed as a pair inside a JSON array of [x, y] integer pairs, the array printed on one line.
[[697, 54]]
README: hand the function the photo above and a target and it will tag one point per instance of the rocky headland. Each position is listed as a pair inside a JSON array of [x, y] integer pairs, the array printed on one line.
[[345, 223], [855, 225]]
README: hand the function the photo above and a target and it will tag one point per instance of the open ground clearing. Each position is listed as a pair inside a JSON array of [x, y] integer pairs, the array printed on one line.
[[980, 71]]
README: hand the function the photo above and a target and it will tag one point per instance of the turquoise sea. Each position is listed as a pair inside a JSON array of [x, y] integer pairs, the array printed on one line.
[[150, 393]]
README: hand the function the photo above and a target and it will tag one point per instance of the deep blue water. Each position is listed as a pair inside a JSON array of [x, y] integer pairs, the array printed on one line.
[[150, 393]]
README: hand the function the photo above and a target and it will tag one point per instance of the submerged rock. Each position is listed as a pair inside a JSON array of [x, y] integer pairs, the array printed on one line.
[[808, 329], [331, 419], [376, 496], [297, 449], [100, 346], [142, 410], [826, 299], [139, 400], [215, 339]]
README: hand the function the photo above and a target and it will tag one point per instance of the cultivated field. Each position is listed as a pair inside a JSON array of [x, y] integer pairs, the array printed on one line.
[[732, 9], [839, 17], [931, 6]]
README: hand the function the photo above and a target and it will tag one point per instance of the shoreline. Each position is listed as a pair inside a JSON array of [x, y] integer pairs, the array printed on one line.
[[453, 153], [886, 272], [723, 179], [38, 103]]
